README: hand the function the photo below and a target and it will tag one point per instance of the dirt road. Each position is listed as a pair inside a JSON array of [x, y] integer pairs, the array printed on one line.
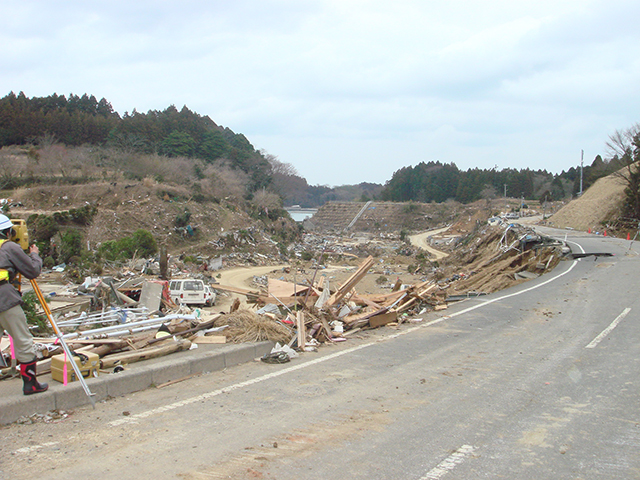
[[241, 278], [422, 240]]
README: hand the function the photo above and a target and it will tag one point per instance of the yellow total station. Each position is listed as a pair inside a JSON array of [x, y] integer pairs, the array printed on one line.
[[19, 233]]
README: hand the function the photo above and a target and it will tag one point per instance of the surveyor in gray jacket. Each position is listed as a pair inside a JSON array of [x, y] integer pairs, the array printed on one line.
[[13, 260]]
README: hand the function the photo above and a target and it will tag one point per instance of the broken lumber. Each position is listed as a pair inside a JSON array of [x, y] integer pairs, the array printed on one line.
[[144, 354], [302, 334], [210, 339], [383, 319], [351, 282], [362, 318]]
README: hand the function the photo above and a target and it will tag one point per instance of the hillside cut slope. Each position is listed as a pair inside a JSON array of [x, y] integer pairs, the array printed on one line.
[[387, 216], [599, 204]]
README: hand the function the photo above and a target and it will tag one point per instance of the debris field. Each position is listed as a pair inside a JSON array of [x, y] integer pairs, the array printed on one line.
[[124, 319]]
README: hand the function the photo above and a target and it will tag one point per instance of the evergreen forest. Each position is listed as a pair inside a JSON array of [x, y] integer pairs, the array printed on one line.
[[183, 134]]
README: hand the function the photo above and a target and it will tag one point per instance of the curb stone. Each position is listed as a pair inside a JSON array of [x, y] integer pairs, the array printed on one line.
[[135, 377]]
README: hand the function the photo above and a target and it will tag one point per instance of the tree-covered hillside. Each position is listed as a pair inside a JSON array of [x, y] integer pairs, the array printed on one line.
[[438, 182], [136, 142], [177, 144], [84, 120]]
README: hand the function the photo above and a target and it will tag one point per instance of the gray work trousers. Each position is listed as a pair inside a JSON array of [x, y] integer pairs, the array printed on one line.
[[14, 322]]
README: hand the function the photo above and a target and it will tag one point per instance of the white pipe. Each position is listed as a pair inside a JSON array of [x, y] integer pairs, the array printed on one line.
[[129, 326]]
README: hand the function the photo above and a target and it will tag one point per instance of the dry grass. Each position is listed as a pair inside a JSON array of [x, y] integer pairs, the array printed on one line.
[[247, 326]]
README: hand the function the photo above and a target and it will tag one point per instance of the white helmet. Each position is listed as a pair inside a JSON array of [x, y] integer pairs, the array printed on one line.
[[5, 222]]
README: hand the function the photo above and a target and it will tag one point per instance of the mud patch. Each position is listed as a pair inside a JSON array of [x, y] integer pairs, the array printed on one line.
[[257, 460]]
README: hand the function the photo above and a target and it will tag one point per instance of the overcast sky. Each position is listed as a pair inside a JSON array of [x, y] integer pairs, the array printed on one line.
[[349, 91]]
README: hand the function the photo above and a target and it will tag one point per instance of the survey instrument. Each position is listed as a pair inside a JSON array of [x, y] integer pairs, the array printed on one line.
[[20, 235]]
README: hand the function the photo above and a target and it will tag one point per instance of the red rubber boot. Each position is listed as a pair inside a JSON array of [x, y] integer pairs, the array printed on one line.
[[28, 374]]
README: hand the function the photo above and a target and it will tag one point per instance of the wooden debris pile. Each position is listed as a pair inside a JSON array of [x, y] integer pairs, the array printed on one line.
[[315, 313], [496, 258]]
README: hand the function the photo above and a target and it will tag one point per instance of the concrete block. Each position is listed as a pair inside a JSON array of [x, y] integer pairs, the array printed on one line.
[[211, 362], [73, 395], [238, 354], [170, 370], [262, 348], [129, 381], [16, 406]]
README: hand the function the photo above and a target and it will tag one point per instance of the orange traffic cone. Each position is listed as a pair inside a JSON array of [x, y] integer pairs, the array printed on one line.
[[628, 236], [589, 229], [605, 233]]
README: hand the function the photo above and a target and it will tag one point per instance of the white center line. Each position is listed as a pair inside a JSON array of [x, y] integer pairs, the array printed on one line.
[[607, 330], [230, 388], [34, 448], [449, 463]]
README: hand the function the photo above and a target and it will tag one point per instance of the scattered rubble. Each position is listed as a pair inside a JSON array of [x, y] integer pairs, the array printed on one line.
[[130, 316]]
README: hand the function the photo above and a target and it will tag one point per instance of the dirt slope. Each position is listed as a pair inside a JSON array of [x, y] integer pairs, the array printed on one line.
[[124, 207], [598, 205]]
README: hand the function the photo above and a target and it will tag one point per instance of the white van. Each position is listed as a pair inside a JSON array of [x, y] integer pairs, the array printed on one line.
[[188, 291], [209, 296]]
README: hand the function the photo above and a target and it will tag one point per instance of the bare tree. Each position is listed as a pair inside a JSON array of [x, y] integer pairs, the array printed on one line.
[[624, 144], [624, 148], [279, 167], [266, 200]]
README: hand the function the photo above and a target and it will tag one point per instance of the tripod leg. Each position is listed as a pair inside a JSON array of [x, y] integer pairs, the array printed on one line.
[[65, 347]]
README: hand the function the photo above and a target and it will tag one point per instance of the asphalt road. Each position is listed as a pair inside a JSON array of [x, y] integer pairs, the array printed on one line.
[[536, 382]]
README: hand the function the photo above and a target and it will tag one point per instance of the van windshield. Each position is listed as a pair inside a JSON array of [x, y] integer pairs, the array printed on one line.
[[193, 286]]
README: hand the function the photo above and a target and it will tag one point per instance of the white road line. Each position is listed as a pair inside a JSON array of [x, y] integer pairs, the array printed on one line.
[[449, 463], [608, 330], [579, 246], [34, 448], [489, 302], [230, 388]]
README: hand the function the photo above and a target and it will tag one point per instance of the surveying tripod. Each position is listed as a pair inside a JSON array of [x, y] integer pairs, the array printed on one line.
[[65, 347], [20, 235]]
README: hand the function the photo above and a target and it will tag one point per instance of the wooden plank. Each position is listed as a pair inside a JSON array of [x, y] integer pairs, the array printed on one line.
[[426, 290], [262, 299], [235, 305], [178, 380], [384, 298], [302, 334], [351, 282], [407, 304], [359, 299], [144, 354], [383, 319], [327, 328], [281, 289], [210, 339], [352, 319]]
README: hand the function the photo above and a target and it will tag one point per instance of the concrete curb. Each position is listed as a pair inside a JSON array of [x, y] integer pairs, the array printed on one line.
[[135, 377]]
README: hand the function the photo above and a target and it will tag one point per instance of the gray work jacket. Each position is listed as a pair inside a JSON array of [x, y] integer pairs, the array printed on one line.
[[13, 258]]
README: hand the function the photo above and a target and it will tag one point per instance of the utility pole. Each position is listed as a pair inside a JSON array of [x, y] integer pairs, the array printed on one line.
[[581, 168], [505, 190]]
